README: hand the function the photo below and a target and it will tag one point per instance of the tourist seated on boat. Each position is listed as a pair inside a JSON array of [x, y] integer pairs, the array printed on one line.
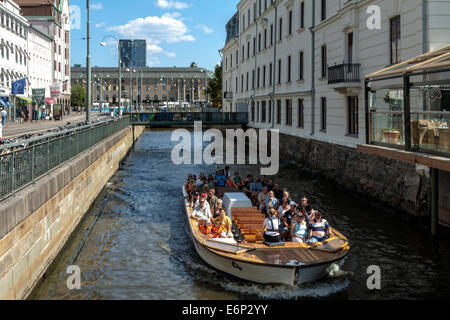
[[212, 199], [201, 211], [195, 199], [237, 180], [299, 228], [221, 179], [303, 204], [191, 187], [272, 227], [256, 186], [227, 172], [318, 228], [200, 179], [210, 180], [285, 213], [223, 224], [217, 208], [247, 182], [203, 185], [271, 201], [309, 212], [262, 197], [278, 192], [264, 181], [270, 184], [287, 196], [229, 182]]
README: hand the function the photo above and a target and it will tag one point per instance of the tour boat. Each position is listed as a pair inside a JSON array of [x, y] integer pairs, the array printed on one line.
[[253, 260]]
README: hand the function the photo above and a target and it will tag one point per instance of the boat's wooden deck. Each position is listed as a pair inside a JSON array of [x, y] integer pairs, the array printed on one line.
[[261, 253]]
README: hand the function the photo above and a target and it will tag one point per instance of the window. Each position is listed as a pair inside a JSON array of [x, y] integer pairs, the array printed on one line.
[[265, 38], [253, 79], [302, 15], [290, 22], [247, 82], [243, 22], [279, 71], [271, 34], [248, 49], [353, 115], [264, 77], [257, 111], [270, 111], [253, 111], [301, 71], [254, 45], [259, 42], [395, 39], [301, 113], [350, 48], [270, 74], [263, 111], [324, 10], [289, 69], [281, 29], [259, 73], [278, 111], [243, 53], [254, 11], [289, 112], [323, 114], [242, 83], [324, 62]]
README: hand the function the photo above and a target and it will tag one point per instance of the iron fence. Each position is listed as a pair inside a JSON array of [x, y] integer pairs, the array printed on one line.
[[344, 73], [26, 161], [175, 118]]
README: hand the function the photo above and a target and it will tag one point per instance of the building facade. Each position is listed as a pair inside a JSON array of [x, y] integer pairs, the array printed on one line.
[[133, 53], [149, 86], [302, 62], [14, 56], [52, 18]]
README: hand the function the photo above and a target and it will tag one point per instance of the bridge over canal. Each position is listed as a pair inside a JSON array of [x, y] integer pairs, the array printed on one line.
[[169, 119]]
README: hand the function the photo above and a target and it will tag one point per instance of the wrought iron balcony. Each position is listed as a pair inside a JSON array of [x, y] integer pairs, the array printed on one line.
[[344, 73]]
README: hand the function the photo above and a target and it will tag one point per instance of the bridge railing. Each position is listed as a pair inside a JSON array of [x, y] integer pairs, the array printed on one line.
[[189, 117], [26, 161]]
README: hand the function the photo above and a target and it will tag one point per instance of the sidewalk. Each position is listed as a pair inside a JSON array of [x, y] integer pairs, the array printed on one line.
[[15, 129]]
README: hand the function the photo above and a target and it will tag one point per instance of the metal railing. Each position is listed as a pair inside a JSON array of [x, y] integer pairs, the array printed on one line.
[[344, 73], [26, 161], [175, 118]]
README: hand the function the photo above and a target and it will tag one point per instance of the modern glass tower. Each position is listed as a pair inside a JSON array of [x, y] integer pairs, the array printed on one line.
[[133, 53]]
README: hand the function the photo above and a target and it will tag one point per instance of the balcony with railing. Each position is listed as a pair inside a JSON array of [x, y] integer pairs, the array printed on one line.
[[345, 78]]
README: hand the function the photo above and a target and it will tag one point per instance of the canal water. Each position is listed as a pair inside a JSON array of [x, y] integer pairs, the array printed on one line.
[[139, 247]]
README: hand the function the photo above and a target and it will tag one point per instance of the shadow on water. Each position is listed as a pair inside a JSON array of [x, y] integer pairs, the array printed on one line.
[[140, 249]]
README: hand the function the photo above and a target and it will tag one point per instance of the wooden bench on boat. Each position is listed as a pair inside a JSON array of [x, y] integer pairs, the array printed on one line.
[[250, 222]]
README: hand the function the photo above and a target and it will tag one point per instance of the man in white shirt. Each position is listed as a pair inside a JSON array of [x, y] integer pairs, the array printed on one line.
[[201, 211], [262, 197]]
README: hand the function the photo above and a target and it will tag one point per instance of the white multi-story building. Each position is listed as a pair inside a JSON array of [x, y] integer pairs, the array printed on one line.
[[13, 48], [52, 18], [40, 68], [302, 63]]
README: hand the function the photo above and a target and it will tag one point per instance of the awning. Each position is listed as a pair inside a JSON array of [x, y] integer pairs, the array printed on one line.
[[50, 100], [25, 99], [4, 102]]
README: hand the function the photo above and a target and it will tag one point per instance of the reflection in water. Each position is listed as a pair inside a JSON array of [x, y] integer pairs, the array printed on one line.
[[139, 248]]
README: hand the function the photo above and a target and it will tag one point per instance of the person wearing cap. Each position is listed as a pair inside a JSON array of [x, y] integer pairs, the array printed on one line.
[[201, 211]]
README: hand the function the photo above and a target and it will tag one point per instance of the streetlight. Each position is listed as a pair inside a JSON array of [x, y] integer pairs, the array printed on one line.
[[103, 44], [88, 63]]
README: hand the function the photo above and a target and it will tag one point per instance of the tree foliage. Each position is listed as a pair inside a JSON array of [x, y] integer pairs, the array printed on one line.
[[214, 88], [78, 96]]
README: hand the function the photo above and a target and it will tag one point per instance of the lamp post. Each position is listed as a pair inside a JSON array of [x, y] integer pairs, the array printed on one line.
[[119, 76], [88, 64]]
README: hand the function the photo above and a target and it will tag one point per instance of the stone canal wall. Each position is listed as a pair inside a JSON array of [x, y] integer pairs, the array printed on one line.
[[37, 221], [390, 183]]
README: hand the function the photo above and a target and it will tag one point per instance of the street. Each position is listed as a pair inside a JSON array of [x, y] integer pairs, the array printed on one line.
[[16, 129]]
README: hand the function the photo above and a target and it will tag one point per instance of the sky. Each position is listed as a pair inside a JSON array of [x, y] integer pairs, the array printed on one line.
[[178, 32]]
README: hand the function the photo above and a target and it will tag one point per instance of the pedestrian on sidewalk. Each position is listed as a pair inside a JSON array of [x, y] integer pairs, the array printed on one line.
[[4, 115], [1, 132]]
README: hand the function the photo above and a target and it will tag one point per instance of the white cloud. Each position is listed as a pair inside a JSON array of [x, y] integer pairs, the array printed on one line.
[[97, 6], [100, 25], [169, 4], [204, 28], [168, 28]]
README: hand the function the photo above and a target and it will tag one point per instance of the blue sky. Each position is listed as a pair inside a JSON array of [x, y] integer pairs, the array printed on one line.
[[178, 32]]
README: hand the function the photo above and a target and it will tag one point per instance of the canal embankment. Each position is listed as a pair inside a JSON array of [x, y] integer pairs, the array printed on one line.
[[36, 221]]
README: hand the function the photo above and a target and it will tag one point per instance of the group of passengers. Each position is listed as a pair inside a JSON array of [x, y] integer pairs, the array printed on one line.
[[285, 220]]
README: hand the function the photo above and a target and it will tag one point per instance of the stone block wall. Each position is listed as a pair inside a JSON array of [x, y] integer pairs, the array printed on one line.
[[400, 185], [37, 221]]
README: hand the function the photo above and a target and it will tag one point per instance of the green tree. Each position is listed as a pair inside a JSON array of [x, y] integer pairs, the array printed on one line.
[[78, 96], [214, 88]]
